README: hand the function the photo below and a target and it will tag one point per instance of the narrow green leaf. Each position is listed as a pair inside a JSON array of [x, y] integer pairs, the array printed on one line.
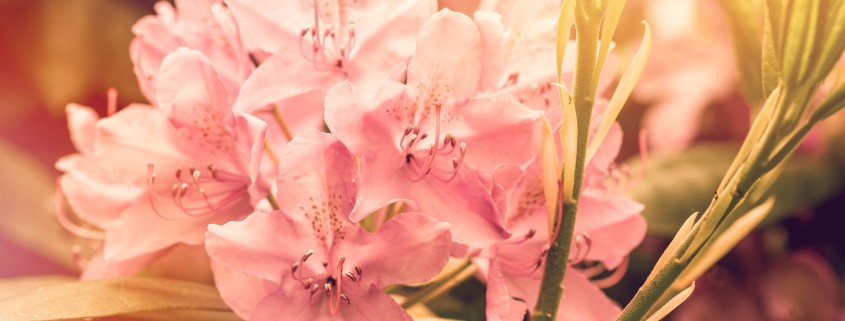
[[567, 12], [744, 22], [551, 171], [800, 36], [770, 63], [714, 251], [678, 184], [672, 304], [623, 91], [831, 104], [608, 28], [99, 298]]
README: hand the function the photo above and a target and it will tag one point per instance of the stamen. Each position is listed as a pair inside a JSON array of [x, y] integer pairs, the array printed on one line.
[[350, 275], [307, 255], [314, 289]]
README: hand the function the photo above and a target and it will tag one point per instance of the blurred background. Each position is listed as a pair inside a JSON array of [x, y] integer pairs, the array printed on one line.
[[690, 100]]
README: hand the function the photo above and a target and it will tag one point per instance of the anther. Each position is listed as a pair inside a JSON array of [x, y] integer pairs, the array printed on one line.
[[308, 282], [345, 298], [294, 267], [359, 271], [212, 169], [350, 275], [314, 289], [328, 287], [307, 255]]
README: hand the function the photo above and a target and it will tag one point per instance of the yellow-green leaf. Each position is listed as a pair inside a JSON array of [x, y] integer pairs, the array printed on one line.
[[99, 298], [724, 243], [608, 28], [551, 171], [623, 91], [567, 10], [569, 141], [682, 234], [672, 304]]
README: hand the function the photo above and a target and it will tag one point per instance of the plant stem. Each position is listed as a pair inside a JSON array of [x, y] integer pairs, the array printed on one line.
[[584, 92]]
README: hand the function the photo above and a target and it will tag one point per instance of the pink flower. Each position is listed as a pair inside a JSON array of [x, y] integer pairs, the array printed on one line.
[[169, 171], [425, 142], [608, 227], [308, 261], [322, 43], [203, 25]]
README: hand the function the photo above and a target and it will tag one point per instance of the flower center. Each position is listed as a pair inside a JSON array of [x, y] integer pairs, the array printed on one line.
[[419, 161], [198, 193], [330, 282], [328, 45]]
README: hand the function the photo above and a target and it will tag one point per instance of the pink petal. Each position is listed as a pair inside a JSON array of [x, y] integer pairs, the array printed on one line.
[[604, 157], [500, 305], [373, 305], [90, 193], [123, 147], [263, 87], [82, 122], [264, 245], [613, 223], [447, 61], [271, 25], [409, 248], [317, 180], [386, 39], [465, 204], [192, 94], [361, 120], [492, 33], [241, 292], [140, 230], [583, 300], [498, 130]]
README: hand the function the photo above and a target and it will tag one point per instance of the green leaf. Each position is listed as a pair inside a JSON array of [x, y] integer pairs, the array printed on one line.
[[745, 25], [99, 298], [679, 184], [770, 63]]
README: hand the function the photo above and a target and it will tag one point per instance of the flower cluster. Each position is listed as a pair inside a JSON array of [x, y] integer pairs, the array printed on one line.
[[319, 151]]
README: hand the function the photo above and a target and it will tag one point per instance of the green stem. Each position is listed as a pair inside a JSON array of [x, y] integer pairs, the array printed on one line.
[[587, 22], [747, 170]]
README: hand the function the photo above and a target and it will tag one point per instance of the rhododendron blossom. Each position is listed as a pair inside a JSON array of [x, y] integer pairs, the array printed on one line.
[[308, 261], [429, 141], [607, 228], [321, 43], [189, 162], [203, 25]]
